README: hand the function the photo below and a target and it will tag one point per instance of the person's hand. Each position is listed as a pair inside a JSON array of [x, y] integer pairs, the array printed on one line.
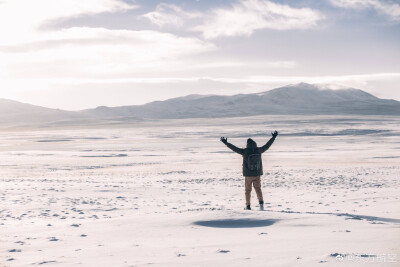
[[274, 134], [224, 140]]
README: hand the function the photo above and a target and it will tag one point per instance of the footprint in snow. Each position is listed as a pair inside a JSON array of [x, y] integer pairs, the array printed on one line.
[[44, 262]]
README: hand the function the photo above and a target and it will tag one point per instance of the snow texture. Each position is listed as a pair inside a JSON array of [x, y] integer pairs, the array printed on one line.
[[169, 193]]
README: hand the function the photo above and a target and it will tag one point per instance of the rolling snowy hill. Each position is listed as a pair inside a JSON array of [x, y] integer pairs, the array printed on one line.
[[296, 99], [292, 99], [14, 113]]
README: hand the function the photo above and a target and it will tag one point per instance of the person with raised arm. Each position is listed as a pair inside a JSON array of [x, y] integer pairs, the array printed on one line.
[[252, 166]]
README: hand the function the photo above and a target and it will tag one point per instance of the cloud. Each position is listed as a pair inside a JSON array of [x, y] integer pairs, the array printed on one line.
[[335, 80], [168, 14], [249, 65], [20, 19], [354, 79], [392, 10], [80, 51], [30, 53], [245, 17]]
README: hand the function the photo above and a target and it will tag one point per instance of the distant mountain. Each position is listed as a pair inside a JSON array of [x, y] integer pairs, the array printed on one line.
[[292, 99], [301, 98], [14, 113]]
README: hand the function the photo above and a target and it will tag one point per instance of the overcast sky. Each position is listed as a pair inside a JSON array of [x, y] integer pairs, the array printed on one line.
[[76, 54]]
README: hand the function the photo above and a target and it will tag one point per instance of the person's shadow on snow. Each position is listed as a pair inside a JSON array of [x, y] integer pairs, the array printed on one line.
[[236, 223]]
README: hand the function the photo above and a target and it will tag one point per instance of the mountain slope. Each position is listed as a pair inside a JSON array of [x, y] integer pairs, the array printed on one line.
[[292, 99], [14, 113]]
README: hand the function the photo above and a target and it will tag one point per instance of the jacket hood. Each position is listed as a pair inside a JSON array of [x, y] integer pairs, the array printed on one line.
[[251, 143]]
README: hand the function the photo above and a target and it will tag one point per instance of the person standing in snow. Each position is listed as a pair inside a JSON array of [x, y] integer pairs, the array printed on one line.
[[252, 166]]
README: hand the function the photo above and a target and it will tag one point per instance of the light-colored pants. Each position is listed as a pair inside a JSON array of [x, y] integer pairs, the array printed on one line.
[[256, 181]]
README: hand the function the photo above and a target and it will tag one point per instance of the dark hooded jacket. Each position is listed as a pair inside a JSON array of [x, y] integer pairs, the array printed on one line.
[[251, 148]]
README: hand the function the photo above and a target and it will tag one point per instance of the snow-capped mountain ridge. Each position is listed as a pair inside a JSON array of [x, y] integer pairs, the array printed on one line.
[[297, 99], [292, 99]]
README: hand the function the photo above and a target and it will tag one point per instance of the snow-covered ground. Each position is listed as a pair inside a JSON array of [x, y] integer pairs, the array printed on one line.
[[168, 193]]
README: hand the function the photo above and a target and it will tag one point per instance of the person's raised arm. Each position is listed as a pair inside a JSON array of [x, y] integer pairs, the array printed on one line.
[[270, 142], [232, 147]]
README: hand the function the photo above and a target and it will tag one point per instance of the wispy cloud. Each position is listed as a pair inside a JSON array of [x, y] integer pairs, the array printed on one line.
[[388, 8], [98, 51], [357, 80], [28, 51], [348, 79], [20, 19], [168, 14], [245, 17]]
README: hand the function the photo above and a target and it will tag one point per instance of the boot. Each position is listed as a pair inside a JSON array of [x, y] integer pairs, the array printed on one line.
[[248, 207], [261, 205]]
